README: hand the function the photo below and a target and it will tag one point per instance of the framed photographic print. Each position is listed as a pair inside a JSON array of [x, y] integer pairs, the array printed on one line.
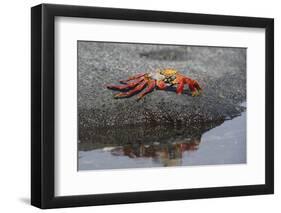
[[140, 106]]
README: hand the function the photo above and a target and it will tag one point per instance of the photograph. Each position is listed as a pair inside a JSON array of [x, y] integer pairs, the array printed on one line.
[[150, 105], [134, 105]]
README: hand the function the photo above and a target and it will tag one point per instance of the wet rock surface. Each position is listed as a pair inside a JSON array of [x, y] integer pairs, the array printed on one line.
[[220, 71], [142, 134]]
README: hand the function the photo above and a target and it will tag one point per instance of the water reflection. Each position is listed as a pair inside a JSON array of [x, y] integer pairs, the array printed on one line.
[[95, 138], [166, 154], [143, 146], [161, 145]]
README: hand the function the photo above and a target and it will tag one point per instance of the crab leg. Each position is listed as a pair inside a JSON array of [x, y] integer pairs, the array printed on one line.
[[131, 92], [125, 86], [132, 78], [180, 86], [150, 86], [197, 86], [193, 86]]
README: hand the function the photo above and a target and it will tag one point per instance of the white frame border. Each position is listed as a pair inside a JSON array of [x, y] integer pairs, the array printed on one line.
[[70, 182]]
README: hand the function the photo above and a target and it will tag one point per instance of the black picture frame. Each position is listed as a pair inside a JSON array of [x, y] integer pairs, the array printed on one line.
[[43, 102]]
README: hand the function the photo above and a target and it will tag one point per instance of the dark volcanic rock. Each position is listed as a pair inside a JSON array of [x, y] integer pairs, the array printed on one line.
[[220, 71], [143, 134]]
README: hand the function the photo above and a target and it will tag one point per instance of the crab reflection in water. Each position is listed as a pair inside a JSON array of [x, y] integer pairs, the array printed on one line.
[[145, 146], [167, 154]]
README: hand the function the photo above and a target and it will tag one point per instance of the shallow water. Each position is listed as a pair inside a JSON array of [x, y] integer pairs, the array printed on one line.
[[142, 148]]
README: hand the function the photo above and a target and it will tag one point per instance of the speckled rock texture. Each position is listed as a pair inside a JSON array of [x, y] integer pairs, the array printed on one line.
[[220, 71]]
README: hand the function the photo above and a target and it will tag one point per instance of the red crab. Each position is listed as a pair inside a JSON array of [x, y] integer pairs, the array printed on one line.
[[161, 79]]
